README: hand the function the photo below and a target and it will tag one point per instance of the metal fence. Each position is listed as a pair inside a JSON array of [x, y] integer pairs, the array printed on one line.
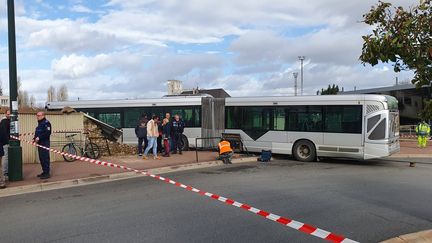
[[407, 132]]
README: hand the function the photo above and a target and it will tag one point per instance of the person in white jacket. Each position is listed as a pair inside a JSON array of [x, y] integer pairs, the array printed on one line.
[[152, 135]]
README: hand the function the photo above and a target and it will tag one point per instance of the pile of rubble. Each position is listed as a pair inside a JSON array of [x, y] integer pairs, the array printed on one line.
[[107, 147]]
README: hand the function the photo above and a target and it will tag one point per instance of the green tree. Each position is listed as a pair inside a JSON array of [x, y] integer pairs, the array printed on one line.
[[331, 90], [402, 37], [426, 113]]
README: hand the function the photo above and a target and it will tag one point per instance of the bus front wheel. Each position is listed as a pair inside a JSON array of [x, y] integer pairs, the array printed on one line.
[[304, 151]]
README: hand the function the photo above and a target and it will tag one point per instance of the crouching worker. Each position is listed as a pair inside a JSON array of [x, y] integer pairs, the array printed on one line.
[[225, 151]]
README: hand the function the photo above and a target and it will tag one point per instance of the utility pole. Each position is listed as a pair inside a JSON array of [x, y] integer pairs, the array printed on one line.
[[14, 150], [301, 58], [295, 74]]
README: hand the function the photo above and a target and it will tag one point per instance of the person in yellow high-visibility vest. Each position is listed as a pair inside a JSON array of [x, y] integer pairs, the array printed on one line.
[[422, 131], [225, 151]]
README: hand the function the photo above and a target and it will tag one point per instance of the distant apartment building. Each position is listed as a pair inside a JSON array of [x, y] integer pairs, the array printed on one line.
[[410, 99], [4, 100], [175, 87]]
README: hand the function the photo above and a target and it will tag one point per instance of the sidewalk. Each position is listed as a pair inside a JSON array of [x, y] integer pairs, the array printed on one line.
[[61, 170], [419, 237], [409, 149]]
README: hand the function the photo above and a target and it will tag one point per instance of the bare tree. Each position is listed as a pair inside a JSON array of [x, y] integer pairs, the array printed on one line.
[[32, 101], [23, 99], [1, 88], [51, 94], [62, 94]]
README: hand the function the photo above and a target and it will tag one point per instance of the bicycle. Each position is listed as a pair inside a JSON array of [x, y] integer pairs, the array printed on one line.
[[90, 150]]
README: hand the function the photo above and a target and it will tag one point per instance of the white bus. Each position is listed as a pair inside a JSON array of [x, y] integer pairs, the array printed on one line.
[[307, 127]]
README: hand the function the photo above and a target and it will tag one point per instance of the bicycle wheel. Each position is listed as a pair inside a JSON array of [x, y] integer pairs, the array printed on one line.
[[92, 151], [70, 148]]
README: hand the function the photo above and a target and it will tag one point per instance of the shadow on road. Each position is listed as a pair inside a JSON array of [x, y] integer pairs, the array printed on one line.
[[347, 161]]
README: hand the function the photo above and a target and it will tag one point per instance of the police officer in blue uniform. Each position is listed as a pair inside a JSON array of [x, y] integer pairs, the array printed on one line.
[[42, 137], [177, 128]]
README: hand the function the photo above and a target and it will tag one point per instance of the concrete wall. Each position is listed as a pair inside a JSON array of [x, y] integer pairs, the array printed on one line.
[[28, 123]]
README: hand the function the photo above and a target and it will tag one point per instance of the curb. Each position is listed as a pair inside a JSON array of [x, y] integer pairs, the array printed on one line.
[[419, 237], [12, 191]]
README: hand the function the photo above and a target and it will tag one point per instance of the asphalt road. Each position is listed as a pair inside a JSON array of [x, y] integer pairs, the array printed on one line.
[[365, 201]]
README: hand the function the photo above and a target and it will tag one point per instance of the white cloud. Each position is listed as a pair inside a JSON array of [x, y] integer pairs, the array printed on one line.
[[81, 9], [74, 66], [125, 47], [79, 66], [64, 35]]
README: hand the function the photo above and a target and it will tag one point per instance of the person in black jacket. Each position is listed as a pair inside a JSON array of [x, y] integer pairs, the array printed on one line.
[[42, 137], [177, 128], [4, 141], [141, 133]]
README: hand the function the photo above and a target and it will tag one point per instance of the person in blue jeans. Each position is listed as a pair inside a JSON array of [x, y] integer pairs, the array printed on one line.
[[152, 135]]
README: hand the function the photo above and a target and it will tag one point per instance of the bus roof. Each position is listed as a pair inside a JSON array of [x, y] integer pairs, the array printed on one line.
[[319, 99], [166, 101], [188, 100]]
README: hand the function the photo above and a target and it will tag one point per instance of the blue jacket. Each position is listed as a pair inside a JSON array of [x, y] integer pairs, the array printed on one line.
[[177, 127], [166, 130], [43, 130]]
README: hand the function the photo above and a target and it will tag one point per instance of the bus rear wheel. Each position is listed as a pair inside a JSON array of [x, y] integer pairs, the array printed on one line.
[[184, 143], [304, 151]]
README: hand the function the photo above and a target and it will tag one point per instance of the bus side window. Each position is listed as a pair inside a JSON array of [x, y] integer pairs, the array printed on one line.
[[279, 119]]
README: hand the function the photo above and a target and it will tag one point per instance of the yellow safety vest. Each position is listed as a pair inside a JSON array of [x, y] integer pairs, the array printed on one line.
[[423, 129]]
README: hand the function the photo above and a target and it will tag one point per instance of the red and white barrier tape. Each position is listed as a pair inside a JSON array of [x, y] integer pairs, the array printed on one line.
[[408, 136], [305, 228], [57, 131]]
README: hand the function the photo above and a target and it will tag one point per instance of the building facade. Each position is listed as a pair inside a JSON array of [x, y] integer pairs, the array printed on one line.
[[411, 99], [4, 100]]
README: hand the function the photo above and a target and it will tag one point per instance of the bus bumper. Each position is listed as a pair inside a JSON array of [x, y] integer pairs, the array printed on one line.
[[374, 151]]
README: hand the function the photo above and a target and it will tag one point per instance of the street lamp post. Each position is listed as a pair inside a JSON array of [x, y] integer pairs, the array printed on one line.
[[301, 58], [295, 74], [14, 150]]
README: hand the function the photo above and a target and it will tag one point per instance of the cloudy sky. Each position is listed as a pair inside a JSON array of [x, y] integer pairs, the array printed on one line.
[[128, 49]]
